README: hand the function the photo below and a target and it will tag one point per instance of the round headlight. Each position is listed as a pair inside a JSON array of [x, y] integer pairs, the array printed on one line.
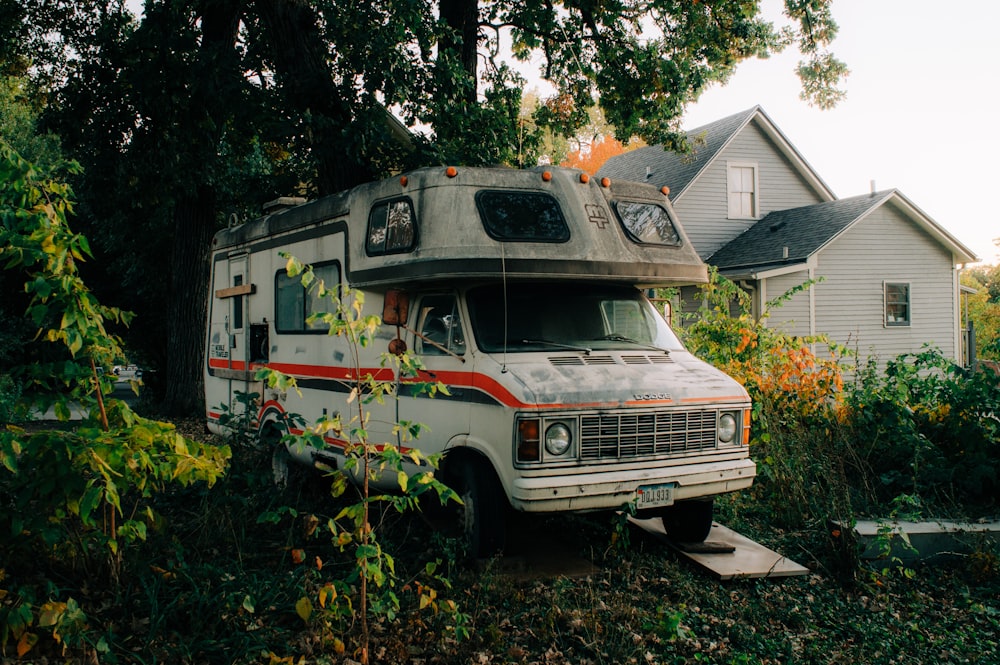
[[727, 428], [557, 439]]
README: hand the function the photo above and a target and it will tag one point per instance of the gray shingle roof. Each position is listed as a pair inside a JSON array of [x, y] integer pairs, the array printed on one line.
[[669, 168], [802, 230]]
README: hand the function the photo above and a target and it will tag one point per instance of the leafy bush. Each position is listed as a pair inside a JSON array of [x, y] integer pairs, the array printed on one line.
[[927, 427], [795, 394], [72, 499], [922, 428]]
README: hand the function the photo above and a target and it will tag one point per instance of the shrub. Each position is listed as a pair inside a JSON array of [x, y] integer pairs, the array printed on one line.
[[929, 428], [795, 394], [72, 499]]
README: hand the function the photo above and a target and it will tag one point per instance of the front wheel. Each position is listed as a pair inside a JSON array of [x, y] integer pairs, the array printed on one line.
[[483, 513], [689, 521]]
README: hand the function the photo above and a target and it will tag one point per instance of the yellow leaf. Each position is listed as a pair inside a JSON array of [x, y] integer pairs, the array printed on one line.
[[327, 594], [49, 613], [304, 608]]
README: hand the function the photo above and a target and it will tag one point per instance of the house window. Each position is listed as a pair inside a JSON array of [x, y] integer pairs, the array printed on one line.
[[293, 303], [897, 304], [742, 191]]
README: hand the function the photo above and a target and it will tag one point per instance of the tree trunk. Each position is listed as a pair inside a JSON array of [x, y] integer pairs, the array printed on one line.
[[189, 256], [462, 17], [301, 62], [194, 213]]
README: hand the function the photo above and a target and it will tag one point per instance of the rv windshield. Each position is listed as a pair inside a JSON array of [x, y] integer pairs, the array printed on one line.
[[568, 316]]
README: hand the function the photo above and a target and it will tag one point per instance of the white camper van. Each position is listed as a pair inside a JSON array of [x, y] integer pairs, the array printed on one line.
[[523, 292]]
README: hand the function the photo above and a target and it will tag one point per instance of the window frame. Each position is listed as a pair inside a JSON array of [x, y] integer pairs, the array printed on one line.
[[618, 203], [306, 300], [454, 345], [886, 304], [402, 249], [493, 232], [754, 193]]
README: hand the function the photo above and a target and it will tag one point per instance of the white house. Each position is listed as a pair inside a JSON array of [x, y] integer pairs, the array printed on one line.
[[754, 208]]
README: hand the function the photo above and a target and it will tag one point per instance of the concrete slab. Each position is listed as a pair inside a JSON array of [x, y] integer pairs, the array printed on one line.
[[930, 539], [727, 554]]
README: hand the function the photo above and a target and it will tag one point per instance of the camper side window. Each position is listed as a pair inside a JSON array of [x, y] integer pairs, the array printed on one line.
[[293, 303], [647, 223], [392, 228], [522, 216]]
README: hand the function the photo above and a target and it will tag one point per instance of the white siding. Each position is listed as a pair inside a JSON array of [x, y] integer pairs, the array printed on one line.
[[703, 208], [886, 246], [791, 317]]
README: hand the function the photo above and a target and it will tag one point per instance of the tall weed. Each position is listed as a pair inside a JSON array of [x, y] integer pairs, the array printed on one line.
[[801, 461]]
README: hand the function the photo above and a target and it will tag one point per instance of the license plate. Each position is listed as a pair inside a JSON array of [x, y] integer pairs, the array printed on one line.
[[653, 496]]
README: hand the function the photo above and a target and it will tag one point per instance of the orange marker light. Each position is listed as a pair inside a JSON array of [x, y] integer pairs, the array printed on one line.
[[584, 178], [451, 172], [528, 445], [605, 182], [546, 175], [665, 190], [403, 180]]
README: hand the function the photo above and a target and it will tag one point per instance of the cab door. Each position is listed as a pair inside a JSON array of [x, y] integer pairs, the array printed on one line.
[[438, 339]]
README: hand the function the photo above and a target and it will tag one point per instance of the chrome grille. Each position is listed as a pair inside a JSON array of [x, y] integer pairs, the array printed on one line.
[[627, 435]]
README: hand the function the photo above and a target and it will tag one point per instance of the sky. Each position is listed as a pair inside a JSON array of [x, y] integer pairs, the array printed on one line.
[[921, 112]]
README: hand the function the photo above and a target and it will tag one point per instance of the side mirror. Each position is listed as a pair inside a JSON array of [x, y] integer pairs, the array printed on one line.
[[396, 309]]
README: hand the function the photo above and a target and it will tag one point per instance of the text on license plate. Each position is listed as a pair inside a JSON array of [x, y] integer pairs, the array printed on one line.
[[651, 496]]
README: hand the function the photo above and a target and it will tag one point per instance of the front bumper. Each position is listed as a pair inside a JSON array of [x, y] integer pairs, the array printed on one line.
[[602, 490]]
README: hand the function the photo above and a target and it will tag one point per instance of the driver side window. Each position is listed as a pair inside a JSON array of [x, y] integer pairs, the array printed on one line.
[[440, 326]]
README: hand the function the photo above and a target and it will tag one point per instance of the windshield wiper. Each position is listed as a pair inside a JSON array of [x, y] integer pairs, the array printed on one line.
[[568, 347], [628, 340]]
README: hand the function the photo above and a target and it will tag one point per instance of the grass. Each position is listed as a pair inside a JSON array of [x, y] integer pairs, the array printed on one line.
[[216, 583]]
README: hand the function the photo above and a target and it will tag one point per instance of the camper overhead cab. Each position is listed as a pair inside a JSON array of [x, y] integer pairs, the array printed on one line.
[[523, 291]]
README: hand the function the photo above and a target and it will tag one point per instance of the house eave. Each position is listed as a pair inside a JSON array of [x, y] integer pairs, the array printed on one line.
[[765, 271]]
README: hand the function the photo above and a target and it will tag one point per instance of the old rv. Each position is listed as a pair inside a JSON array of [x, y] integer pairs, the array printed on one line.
[[523, 293]]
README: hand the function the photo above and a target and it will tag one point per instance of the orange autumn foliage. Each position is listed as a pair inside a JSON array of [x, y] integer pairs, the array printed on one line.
[[591, 160]]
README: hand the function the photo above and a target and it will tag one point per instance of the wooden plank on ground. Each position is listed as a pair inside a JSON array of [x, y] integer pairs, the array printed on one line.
[[727, 554]]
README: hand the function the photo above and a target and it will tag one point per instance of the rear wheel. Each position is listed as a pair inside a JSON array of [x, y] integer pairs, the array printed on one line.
[[689, 521], [281, 461], [482, 516]]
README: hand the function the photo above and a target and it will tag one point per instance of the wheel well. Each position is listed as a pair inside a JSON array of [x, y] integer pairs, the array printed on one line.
[[455, 457], [270, 431]]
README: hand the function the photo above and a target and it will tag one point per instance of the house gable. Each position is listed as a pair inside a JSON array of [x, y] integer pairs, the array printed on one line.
[[887, 248], [699, 182]]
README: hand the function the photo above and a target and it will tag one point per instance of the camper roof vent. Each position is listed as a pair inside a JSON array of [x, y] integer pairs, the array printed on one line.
[[282, 203]]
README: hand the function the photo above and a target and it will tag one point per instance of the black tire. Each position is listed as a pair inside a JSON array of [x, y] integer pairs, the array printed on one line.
[[689, 521], [482, 516], [282, 466]]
